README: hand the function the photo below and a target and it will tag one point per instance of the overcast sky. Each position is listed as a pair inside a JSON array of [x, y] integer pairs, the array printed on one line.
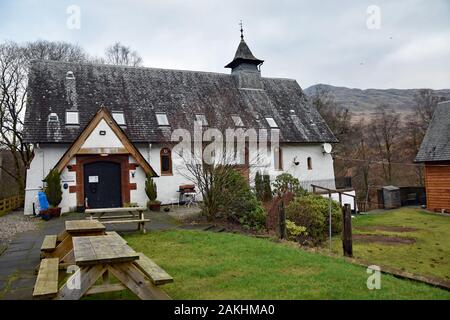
[[310, 41]]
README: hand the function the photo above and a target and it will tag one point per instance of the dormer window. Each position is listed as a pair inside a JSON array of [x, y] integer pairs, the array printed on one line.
[[69, 75], [53, 117], [237, 121], [162, 119], [119, 117], [72, 117], [201, 118], [271, 122]]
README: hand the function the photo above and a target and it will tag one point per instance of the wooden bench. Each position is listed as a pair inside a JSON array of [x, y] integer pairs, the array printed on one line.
[[156, 274], [130, 217], [49, 243], [47, 280]]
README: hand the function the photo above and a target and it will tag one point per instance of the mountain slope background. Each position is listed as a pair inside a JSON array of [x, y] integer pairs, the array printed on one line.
[[366, 101]]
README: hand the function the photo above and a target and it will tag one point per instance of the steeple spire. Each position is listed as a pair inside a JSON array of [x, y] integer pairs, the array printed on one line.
[[242, 31], [244, 57]]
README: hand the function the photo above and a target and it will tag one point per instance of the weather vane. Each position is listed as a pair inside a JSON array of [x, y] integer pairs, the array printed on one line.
[[242, 31]]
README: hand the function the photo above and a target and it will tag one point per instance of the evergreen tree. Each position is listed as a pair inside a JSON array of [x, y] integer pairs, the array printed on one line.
[[53, 189]]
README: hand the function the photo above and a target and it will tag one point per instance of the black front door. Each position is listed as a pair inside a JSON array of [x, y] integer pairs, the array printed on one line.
[[102, 184]]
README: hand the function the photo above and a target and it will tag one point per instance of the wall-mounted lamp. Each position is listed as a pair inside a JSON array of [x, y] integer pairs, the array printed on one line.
[[133, 173], [295, 161]]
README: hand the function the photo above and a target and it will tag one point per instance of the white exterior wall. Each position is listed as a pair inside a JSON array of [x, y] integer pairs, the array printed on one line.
[[322, 172], [47, 156], [109, 140], [167, 185]]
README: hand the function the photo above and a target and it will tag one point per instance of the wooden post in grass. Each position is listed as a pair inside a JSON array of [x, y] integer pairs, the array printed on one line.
[[347, 231], [282, 220]]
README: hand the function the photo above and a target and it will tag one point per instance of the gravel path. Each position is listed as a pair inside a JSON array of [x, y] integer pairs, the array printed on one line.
[[15, 222]]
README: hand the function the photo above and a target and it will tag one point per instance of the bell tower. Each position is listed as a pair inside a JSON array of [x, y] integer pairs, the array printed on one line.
[[245, 68]]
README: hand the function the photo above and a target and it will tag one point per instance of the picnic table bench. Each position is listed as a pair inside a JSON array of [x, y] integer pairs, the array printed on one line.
[[98, 256], [129, 215]]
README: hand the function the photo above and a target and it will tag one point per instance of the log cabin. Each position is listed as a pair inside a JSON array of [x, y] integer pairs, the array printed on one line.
[[435, 154]]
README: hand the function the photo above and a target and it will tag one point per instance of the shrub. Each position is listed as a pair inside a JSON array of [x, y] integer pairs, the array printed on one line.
[[53, 189], [255, 219], [295, 232], [239, 204], [267, 191], [150, 188], [285, 182], [311, 211]]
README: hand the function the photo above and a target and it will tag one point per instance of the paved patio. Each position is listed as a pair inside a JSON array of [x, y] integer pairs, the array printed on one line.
[[18, 262]]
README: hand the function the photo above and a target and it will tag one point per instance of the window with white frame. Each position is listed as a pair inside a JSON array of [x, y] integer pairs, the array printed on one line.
[[162, 119], [119, 117], [72, 117], [271, 122], [201, 118]]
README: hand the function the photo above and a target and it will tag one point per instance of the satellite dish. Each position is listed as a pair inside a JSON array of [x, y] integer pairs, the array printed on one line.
[[326, 147]]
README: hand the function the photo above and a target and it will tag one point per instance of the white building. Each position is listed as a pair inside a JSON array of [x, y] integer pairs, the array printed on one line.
[[105, 127]]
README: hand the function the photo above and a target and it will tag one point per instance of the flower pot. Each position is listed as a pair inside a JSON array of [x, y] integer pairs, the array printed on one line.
[[154, 205], [45, 215], [54, 212]]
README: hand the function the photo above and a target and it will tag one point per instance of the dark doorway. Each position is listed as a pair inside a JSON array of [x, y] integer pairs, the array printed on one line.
[[102, 186]]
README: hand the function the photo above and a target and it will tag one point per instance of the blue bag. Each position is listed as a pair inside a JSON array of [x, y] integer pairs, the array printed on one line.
[[43, 202]]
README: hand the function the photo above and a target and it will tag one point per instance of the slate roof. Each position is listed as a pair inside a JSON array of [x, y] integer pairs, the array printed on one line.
[[142, 92], [436, 143]]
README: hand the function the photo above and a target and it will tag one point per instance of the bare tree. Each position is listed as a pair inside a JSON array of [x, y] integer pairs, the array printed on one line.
[[13, 92], [363, 155], [14, 62], [425, 104], [118, 54], [385, 130], [337, 117], [55, 51]]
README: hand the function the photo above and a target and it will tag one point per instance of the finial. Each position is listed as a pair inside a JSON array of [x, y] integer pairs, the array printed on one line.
[[242, 31]]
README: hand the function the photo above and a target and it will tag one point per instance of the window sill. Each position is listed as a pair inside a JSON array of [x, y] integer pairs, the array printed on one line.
[[166, 174]]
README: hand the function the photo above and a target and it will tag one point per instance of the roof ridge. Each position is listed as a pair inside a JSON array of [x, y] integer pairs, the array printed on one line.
[[144, 68], [124, 67]]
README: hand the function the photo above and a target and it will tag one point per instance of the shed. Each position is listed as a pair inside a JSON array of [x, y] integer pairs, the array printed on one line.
[[391, 197]]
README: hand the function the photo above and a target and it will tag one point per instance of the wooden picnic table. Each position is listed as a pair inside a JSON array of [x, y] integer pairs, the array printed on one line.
[[128, 215], [61, 247], [98, 256]]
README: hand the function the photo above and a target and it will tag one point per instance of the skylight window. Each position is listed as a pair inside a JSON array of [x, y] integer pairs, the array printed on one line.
[[271, 123], [119, 117], [202, 119], [72, 117], [237, 121], [53, 117], [162, 119]]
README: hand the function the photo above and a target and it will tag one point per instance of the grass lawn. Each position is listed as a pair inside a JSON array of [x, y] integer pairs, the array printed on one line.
[[429, 255], [207, 265]]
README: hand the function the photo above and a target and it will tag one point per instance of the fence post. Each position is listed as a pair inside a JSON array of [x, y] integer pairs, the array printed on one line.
[[282, 220], [347, 231], [329, 219]]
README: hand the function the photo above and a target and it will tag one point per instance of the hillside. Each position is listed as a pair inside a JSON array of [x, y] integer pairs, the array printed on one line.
[[365, 101]]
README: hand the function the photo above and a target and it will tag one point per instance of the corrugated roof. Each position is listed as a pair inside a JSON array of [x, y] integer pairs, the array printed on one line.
[[436, 143], [142, 92]]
